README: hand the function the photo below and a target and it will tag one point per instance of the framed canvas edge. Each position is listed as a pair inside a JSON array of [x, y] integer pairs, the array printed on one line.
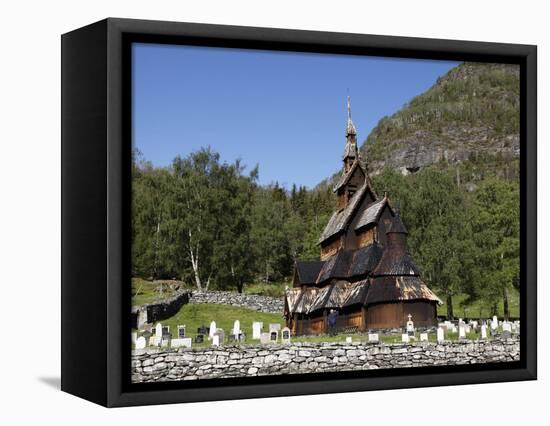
[[394, 46]]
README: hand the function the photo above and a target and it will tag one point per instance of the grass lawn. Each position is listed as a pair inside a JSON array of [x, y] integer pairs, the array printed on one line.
[[479, 309], [194, 316]]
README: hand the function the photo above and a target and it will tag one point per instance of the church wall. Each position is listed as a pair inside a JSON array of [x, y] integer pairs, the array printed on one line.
[[365, 237], [395, 315], [352, 241], [383, 224], [331, 248]]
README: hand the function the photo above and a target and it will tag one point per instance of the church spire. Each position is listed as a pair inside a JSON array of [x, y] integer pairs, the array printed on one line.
[[350, 130], [350, 152]]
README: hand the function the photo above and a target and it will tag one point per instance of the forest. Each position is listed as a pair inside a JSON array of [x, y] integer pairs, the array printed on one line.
[[211, 225]]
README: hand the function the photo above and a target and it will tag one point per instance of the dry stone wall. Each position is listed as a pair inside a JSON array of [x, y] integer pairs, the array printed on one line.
[[153, 365], [251, 301]]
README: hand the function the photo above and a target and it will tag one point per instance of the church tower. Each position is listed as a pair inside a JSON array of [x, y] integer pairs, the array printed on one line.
[[354, 175]]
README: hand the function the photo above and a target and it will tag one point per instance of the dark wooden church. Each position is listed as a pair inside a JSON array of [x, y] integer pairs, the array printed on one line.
[[365, 271]]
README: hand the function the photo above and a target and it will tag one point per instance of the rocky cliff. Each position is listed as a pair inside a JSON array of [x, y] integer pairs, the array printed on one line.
[[471, 115]]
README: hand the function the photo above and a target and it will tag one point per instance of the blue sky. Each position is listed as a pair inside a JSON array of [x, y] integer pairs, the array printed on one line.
[[282, 110]]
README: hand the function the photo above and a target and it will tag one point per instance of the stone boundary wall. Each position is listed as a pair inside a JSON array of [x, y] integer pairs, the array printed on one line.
[[270, 305], [156, 365], [160, 310]]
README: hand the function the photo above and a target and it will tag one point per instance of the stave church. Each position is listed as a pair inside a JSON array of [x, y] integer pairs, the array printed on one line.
[[365, 271]]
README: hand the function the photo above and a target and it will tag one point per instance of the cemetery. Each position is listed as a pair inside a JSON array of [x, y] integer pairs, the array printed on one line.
[[243, 347]]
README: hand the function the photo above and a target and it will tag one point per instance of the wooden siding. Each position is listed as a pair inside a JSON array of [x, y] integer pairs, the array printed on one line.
[[394, 315], [331, 248], [366, 237]]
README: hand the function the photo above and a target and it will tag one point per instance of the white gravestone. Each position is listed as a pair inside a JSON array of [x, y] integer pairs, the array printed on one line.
[[373, 337], [134, 337], [285, 335], [461, 332], [216, 340], [213, 329], [494, 323], [423, 337], [483, 331], [467, 329], [440, 335], [158, 331], [221, 334], [257, 329], [154, 340], [236, 329], [410, 325], [405, 338], [349, 339], [140, 342], [185, 342], [264, 338]]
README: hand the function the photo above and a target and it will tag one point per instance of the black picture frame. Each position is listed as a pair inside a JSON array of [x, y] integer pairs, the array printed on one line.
[[96, 144]]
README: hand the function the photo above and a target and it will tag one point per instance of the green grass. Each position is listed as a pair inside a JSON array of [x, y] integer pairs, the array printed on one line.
[[194, 316], [479, 308], [146, 291]]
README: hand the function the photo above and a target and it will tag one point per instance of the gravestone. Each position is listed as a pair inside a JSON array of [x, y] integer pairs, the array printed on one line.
[[474, 325], [185, 342], [158, 331], [257, 329], [141, 342], [236, 329], [506, 326], [199, 338], [212, 329], [373, 337], [147, 335], [410, 326], [141, 317], [274, 336], [215, 340], [405, 338], [274, 327], [349, 339], [181, 331], [467, 329], [221, 334], [461, 332], [166, 331], [440, 335], [134, 337], [264, 338], [423, 337], [165, 341], [285, 336], [494, 323], [484, 331]]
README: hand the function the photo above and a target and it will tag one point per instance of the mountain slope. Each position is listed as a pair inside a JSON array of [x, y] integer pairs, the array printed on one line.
[[470, 117]]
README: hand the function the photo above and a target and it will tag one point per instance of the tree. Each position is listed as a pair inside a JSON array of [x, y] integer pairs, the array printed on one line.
[[496, 231]]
